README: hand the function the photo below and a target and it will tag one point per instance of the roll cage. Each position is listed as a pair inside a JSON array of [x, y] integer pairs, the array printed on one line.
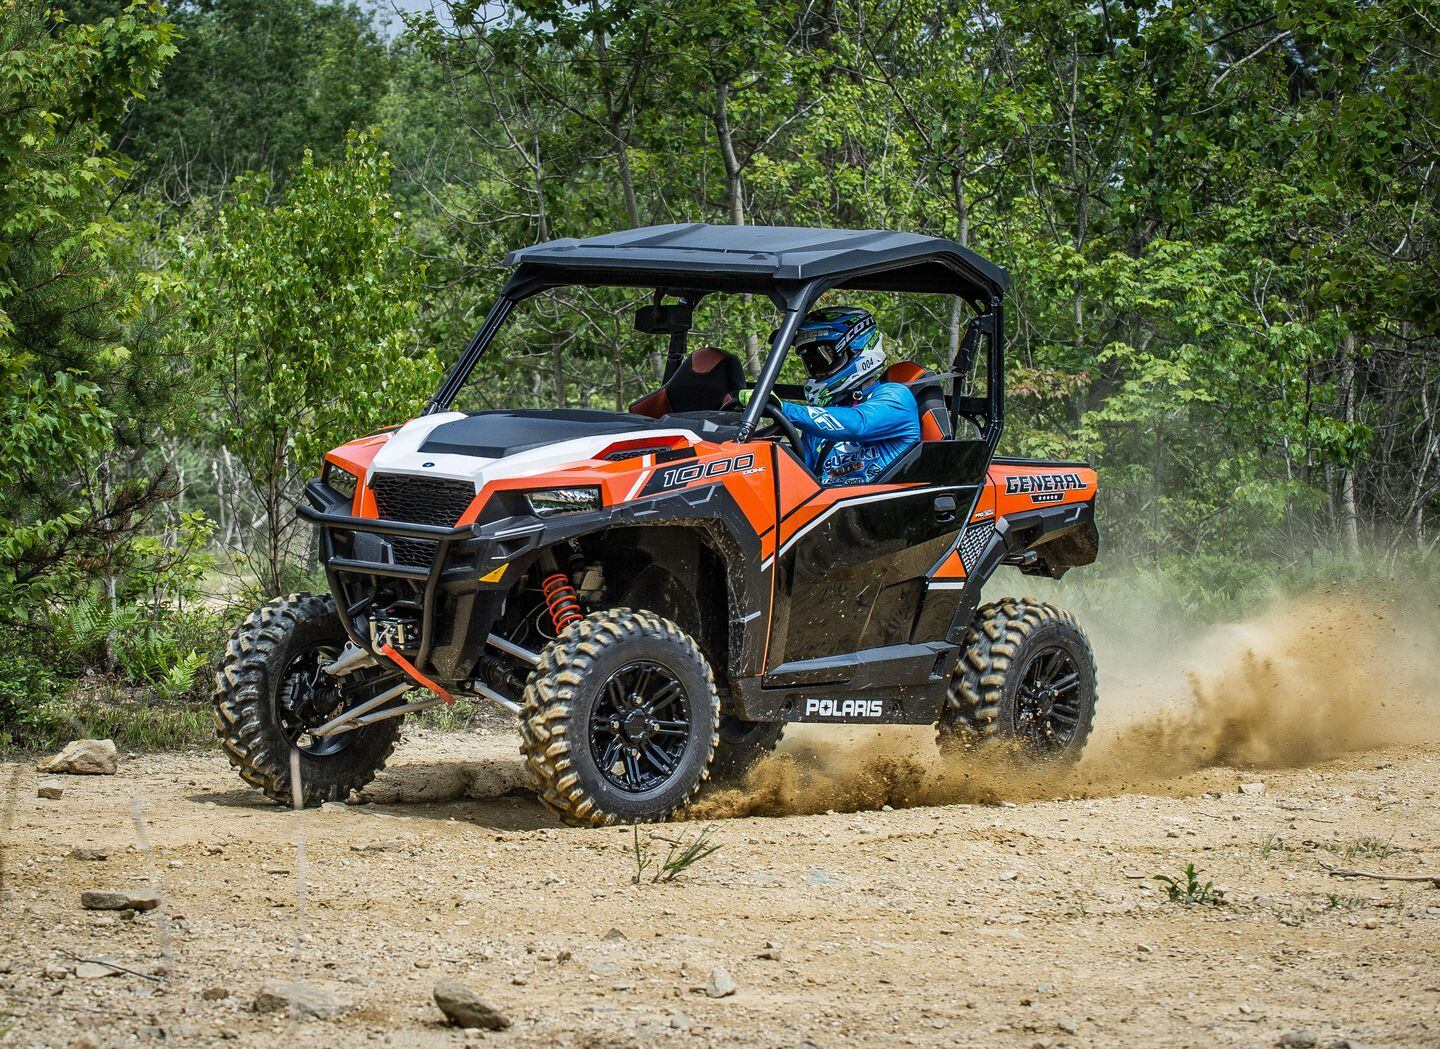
[[792, 267]]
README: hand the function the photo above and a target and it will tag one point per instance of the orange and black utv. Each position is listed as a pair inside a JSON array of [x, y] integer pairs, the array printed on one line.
[[655, 593]]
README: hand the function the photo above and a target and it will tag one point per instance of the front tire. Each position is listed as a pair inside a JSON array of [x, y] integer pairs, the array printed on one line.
[[269, 689], [619, 720], [1026, 676]]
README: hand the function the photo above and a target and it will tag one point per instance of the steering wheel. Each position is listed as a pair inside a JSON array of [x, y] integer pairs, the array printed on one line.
[[779, 425]]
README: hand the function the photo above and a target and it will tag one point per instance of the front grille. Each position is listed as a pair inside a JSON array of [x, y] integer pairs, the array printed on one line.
[[421, 500], [417, 552]]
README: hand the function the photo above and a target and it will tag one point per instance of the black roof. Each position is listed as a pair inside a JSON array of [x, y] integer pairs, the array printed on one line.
[[697, 256]]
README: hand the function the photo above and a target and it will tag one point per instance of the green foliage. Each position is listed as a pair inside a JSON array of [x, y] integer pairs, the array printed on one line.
[[1188, 889], [255, 84], [304, 309], [683, 853], [79, 397], [1220, 221]]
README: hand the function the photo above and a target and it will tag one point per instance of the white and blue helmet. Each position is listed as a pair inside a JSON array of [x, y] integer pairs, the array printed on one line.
[[842, 351]]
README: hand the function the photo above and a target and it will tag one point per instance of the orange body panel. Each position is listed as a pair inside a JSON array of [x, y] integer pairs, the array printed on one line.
[[355, 458], [1013, 487]]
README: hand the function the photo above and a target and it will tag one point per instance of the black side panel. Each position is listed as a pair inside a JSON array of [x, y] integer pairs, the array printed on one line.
[[898, 684], [946, 462], [846, 584]]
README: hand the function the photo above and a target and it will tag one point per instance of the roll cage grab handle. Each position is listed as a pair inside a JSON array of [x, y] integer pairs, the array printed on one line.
[[795, 303]]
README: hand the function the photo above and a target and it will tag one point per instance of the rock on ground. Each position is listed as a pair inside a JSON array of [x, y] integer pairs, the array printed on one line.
[[721, 985], [84, 757], [119, 899], [464, 1008], [92, 853], [94, 970], [306, 1002], [50, 790]]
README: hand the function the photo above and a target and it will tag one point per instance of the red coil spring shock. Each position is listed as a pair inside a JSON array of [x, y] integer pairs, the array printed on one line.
[[561, 600]]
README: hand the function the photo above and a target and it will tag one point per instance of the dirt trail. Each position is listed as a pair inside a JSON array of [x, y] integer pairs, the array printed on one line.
[[984, 908]]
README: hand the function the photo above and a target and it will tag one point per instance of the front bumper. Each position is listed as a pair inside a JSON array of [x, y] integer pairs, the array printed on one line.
[[454, 597]]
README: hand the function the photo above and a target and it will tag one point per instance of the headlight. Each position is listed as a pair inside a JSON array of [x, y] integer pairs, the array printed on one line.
[[552, 501], [340, 479]]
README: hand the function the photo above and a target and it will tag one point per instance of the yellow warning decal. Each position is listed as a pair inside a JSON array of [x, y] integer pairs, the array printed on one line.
[[494, 577]]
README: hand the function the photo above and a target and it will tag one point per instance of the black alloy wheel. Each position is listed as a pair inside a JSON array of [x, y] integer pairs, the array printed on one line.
[[640, 726], [1047, 706], [619, 720], [306, 699], [1026, 676], [271, 693]]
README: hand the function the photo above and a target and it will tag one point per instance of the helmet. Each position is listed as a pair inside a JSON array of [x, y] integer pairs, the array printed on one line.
[[841, 349]]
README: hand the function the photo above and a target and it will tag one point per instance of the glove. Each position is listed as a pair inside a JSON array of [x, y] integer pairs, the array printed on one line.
[[744, 396]]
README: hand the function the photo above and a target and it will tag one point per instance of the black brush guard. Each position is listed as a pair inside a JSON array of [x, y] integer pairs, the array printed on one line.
[[456, 609]]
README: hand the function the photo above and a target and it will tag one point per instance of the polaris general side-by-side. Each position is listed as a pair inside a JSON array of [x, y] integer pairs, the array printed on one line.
[[655, 593]]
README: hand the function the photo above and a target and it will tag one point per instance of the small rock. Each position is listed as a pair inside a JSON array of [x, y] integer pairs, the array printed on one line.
[[1254, 790], [377, 846], [301, 1000], [83, 757], [721, 985], [119, 899], [613, 936], [681, 1022], [93, 853], [1297, 1039], [819, 877], [1067, 1025], [464, 1008], [50, 790], [1346, 1043], [215, 994], [85, 1041], [94, 970], [1009, 875]]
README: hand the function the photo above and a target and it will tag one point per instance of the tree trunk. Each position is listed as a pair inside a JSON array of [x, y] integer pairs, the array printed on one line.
[[1349, 517], [735, 195]]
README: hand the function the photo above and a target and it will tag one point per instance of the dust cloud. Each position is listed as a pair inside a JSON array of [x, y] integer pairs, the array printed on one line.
[[1308, 679]]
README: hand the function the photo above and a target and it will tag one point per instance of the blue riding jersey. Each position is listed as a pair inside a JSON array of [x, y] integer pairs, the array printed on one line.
[[855, 445]]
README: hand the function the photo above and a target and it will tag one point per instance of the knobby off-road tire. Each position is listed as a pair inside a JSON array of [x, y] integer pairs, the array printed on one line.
[[594, 663], [742, 746], [247, 689], [1013, 646]]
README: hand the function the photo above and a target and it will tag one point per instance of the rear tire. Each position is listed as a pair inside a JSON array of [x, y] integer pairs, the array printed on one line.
[[254, 713], [1026, 676], [619, 720]]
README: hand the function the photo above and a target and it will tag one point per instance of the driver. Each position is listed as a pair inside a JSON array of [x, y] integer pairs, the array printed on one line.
[[853, 425]]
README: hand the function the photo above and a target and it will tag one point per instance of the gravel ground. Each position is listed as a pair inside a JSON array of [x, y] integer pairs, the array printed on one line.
[[1031, 923]]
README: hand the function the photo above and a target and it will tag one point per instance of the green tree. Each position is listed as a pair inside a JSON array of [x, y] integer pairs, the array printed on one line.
[[83, 387], [305, 312], [255, 84]]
